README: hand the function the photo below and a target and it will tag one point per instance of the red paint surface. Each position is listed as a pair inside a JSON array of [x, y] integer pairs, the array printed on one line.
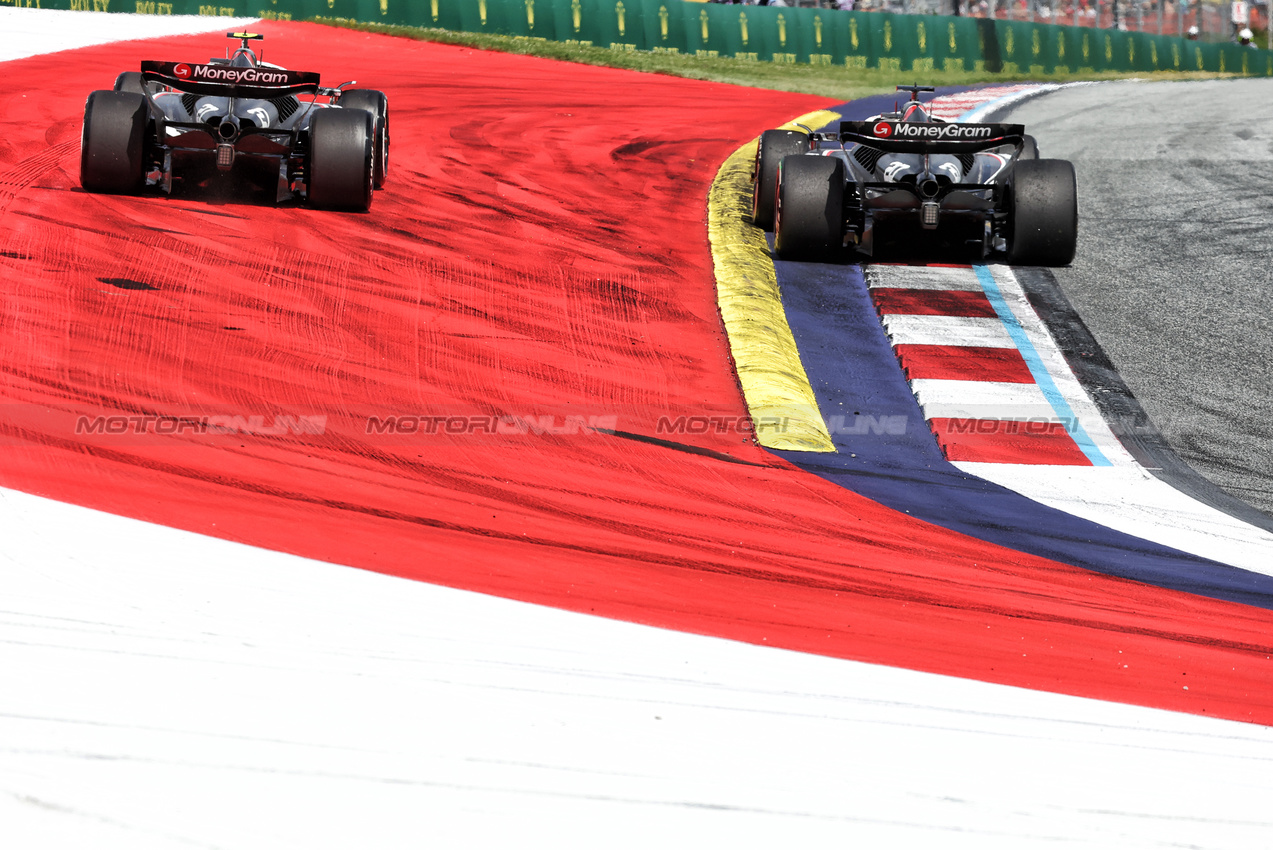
[[540, 251], [1006, 441], [932, 302], [963, 363]]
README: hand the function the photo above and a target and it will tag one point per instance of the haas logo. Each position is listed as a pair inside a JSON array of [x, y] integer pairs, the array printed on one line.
[[182, 71], [883, 130]]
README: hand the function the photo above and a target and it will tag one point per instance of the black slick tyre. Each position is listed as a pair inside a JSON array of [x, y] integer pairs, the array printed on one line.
[[774, 146], [113, 142], [377, 104], [339, 173], [810, 217], [1044, 213]]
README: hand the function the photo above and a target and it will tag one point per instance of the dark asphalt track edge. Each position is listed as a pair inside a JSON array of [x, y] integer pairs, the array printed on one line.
[[1119, 407], [1096, 372]]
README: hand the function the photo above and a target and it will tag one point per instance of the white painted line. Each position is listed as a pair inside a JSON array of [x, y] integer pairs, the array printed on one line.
[[164, 689], [1130, 500], [982, 400], [31, 32], [944, 391], [922, 277], [1042, 413], [946, 330]]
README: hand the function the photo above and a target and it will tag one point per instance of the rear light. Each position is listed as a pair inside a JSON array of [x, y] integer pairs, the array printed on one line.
[[928, 212], [225, 156]]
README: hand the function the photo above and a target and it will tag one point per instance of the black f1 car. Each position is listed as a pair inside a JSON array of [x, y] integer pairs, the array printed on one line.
[[329, 146], [912, 181]]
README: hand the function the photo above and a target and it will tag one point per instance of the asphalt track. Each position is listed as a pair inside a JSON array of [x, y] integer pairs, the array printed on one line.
[[1172, 272]]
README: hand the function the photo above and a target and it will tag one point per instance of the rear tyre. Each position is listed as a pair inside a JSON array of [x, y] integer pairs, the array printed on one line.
[[1044, 213], [340, 167], [113, 142], [377, 104], [130, 81], [775, 145], [810, 218]]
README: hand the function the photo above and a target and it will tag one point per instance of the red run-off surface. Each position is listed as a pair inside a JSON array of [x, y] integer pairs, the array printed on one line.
[[540, 250]]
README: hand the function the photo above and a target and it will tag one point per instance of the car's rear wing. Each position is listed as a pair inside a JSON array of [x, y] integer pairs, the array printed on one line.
[[912, 137], [230, 80]]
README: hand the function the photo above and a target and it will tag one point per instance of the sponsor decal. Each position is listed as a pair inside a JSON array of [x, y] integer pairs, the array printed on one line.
[[238, 76], [943, 132], [228, 74]]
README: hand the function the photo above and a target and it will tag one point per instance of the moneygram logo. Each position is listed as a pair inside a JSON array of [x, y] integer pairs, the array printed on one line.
[[182, 71], [239, 76], [959, 132], [883, 129]]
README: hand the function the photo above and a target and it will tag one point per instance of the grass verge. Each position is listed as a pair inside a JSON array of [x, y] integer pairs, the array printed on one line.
[[829, 81]]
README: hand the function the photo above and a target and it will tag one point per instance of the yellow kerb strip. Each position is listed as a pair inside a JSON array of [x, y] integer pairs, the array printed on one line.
[[779, 398]]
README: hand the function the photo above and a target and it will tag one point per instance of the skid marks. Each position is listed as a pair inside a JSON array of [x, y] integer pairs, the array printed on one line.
[[32, 168]]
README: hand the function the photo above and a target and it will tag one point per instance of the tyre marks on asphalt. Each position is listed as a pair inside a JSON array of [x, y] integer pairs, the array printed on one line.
[[29, 170]]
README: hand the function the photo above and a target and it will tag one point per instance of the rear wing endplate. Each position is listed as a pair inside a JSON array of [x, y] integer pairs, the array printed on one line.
[[229, 80]]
